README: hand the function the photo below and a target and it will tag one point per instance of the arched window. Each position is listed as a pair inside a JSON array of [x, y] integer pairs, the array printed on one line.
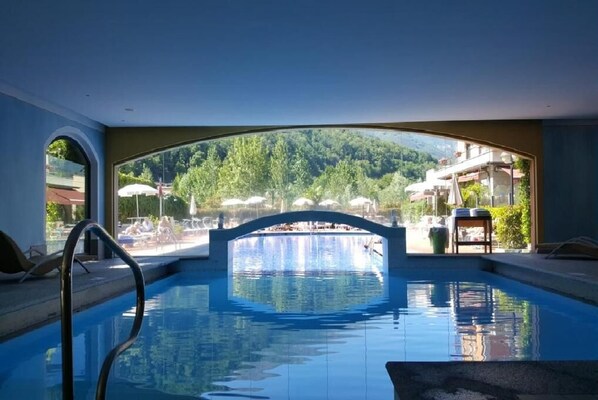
[[375, 174], [67, 192]]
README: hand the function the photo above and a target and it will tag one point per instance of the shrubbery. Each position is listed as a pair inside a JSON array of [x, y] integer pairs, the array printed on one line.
[[507, 225]]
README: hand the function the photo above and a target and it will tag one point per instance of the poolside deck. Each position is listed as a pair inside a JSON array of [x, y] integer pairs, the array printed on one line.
[[36, 302], [574, 277]]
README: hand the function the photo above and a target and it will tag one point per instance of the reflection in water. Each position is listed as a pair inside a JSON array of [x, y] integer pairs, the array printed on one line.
[[280, 335]]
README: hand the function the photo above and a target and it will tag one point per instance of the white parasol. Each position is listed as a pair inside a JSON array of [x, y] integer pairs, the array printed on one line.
[[136, 189], [455, 197], [302, 201], [192, 206], [232, 202], [328, 203], [360, 201], [255, 200]]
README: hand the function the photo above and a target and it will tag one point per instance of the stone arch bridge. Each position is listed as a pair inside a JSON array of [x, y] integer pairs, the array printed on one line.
[[393, 238]]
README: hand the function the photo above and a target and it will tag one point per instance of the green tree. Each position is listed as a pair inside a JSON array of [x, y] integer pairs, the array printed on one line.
[[337, 182], [474, 194], [244, 171], [146, 174], [200, 182], [300, 173], [393, 194], [59, 148], [280, 170]]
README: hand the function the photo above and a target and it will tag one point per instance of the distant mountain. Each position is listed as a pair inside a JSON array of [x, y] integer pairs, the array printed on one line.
[[436, 146]]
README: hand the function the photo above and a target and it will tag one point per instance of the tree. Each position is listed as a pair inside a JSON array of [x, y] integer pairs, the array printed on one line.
[[393, 194], [341, 182], [200, 182], [474, 194], [244, 172], [300, 173], [280, 170], [146, 174], [60, 148]]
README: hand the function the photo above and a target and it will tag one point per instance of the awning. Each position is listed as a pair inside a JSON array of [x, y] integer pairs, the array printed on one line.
[[472, 176], [418, 196], [64, 196]]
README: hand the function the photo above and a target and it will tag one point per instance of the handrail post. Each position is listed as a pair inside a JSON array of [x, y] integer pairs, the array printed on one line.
[[66, 307]]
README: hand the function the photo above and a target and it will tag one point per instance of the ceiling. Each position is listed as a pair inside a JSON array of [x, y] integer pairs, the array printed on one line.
[[272, 62]]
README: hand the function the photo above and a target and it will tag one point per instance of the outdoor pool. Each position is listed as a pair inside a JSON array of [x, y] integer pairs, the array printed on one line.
[[301, 317]]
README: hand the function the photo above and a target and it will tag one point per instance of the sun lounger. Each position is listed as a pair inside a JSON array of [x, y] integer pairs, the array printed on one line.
[[13, 260], [582, 246]]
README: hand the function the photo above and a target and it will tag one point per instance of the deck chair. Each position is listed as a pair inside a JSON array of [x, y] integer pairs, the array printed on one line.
[[13, 260], [579, 246]]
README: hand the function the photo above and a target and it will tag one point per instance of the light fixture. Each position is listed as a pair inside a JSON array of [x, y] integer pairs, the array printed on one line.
[[507, 158]]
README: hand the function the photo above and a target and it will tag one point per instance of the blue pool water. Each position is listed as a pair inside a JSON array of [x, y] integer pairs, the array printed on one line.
[[310, 317]]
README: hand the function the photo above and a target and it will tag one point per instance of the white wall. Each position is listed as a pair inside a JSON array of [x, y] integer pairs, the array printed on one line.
[[25, 132]]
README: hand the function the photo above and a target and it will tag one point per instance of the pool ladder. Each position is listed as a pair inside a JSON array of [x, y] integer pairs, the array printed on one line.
[[66, 307]]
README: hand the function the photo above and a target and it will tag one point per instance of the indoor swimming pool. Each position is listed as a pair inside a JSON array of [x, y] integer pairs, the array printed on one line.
[[300, 317]]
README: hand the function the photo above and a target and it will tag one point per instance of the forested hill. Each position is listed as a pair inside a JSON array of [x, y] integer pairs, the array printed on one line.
[[320, 148], [436, 146], [327, 147]]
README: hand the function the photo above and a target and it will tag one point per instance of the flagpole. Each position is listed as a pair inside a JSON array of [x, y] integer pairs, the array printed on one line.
[[160, 196]]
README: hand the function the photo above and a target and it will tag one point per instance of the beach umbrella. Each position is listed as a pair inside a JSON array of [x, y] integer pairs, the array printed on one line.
[[192, 206], [255, 200], [455, 197], [302, 201], [137, 189], [360, 201], [328, 203], [232, 202]]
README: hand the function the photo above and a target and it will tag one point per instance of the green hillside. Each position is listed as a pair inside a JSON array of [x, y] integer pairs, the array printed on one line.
[[316, 163]]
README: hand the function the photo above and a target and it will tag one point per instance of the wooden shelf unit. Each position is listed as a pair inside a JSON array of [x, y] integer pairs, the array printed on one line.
[[472, 222]]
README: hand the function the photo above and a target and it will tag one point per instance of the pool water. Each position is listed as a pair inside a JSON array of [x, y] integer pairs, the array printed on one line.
[[311, 317]]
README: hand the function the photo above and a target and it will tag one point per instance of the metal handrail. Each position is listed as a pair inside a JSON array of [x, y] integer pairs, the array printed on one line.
[[66, 307]]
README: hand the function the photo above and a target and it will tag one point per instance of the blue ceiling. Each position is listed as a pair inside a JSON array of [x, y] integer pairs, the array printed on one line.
[[261, 62]]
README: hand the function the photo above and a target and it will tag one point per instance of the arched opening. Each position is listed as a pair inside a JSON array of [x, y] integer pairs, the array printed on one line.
[[359, 171], [67, 192]]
